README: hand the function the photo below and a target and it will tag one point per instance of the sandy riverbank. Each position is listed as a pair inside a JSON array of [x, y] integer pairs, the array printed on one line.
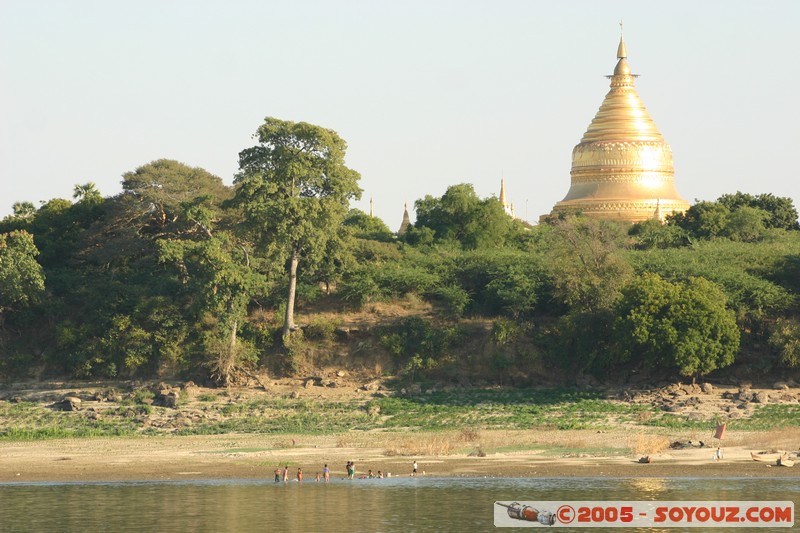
[[256, 456]]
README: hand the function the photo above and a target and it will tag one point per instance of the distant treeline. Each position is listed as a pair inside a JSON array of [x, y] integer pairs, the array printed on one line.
[[174, 275]]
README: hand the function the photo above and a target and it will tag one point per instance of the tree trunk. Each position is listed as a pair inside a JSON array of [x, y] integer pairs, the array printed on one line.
[[234, 328], [288, 323]]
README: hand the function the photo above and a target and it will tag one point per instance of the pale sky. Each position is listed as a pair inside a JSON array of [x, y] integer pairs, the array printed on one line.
[[426, 93]]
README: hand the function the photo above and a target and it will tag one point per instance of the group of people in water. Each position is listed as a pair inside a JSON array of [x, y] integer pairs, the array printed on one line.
[[283, 474]]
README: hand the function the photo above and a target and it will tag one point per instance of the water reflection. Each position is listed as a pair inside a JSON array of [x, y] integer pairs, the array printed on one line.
[[377, 505], [648, 488]]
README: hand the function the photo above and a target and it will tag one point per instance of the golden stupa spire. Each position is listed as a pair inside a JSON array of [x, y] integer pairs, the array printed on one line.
[[371, 208], [622, 165], [503, 200]]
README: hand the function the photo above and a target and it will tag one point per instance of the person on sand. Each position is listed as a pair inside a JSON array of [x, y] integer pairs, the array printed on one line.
[[286, 473], [326, 473], [299, 474], [316, 478], [277, 474], [414, 468]]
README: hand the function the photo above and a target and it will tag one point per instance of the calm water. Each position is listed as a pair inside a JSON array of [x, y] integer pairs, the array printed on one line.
[[378, 505]]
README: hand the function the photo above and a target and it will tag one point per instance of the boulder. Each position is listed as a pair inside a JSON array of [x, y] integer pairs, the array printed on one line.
[[341, 373], [761, 397], [707, 388], [745, 395], [69, 403], [310, 383], [372, 385], [170, 399], [780, 386], [414, 388], [692, 400], [190, 388]]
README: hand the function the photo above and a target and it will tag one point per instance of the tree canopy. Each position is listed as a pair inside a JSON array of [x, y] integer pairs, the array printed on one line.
[[21, 278], [683, 325], [179, 275], [293, 187]]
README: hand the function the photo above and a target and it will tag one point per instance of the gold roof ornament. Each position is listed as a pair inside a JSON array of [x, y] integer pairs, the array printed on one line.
[[622, 168], [507, 207]]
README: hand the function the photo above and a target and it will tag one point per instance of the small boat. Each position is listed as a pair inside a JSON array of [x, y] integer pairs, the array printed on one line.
[[785, 461], [766, 457]]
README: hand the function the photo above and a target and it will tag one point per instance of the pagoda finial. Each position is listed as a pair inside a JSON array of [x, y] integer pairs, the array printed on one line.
[[371, 209], [621, 51], [503, 200], [406, 221]]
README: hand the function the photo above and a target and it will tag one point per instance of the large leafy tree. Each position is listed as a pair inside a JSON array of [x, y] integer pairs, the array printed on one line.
[[21, 277], [294, 190], [683, 325], [154, 194]]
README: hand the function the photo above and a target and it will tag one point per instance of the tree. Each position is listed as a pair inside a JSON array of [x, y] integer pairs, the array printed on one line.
[[785, 340], [746, 224], [216, 269], [364, 226], [154, 193], [781, 212], [459, 215], [651, 233], [587, 266], [21, 278], [294, 190], [87, 192], [683, 325], [703, 219]]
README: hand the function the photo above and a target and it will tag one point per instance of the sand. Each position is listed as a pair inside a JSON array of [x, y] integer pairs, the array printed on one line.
[[256, 456]]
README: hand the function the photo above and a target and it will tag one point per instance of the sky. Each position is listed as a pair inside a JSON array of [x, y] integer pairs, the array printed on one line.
[[427, 94]]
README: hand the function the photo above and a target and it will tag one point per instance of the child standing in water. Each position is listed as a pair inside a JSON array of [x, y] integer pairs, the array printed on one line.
[[326, 473], [286, 473], [277, 474]]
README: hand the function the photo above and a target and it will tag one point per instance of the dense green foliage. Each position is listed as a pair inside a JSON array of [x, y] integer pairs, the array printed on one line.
[[294, 190], [683, 325], [180, 275]]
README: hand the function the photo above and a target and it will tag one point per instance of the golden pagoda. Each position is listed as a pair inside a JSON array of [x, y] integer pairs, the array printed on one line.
[[622, 168]]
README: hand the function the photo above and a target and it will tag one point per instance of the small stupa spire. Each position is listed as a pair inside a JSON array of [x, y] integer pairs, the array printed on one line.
[[622, 53], [371, 208], [507, 207], [406, 221], [658, 215]]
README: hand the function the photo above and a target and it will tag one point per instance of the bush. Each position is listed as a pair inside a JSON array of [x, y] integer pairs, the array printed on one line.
[[322, 328]]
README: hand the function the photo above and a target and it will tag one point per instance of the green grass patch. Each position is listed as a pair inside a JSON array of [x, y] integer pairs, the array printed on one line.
[[507, 409]]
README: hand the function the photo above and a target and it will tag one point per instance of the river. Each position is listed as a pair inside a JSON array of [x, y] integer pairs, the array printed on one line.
[[422, 504]]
